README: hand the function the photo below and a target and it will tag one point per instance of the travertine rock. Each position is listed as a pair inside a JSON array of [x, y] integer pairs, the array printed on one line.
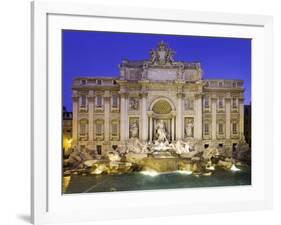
[[135, 158], [225, 164], [113, 156]]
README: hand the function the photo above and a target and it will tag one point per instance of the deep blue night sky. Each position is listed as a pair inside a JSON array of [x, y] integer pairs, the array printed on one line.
[[90, 53]]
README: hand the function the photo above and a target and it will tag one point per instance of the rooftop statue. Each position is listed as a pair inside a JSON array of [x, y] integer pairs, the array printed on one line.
[[162, 55]]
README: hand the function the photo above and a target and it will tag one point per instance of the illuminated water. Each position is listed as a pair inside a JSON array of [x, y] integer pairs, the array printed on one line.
[[139, 181]]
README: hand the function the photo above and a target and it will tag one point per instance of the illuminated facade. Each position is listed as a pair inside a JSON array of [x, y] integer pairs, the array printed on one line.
[[109, 111]]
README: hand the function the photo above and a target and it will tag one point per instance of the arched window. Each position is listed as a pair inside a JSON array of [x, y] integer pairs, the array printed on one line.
[[83, 82], [114, 102], [83, 101], [206, 102], [220, 128], [234, 103], [83, 128], [114, 128], [206, 128], [98, 101], [220, 103], [234, 128], [99, 131]]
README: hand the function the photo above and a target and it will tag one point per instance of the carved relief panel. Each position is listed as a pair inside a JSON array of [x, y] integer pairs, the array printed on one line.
[[133, 104], [188, 104]]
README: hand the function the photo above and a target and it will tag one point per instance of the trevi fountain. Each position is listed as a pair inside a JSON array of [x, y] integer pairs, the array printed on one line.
[[156, 125], [160, 164]]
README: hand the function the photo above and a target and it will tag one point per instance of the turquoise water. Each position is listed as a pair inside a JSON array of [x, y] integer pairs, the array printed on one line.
[[138, 181]]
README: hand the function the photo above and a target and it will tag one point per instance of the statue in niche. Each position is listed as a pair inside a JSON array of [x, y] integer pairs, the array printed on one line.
[[134, 130], [189, 128], [134, 104], [161, 134]]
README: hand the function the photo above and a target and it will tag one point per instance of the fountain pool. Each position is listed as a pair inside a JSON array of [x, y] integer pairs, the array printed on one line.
[[154, 180]]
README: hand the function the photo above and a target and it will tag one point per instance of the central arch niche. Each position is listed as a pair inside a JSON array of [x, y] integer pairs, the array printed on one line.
[[162, 109]]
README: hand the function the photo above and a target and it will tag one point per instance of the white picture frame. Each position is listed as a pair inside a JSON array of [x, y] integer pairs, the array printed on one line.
[[48, 205]]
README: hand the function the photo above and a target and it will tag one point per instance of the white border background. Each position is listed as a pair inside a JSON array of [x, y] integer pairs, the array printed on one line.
[[144, 204], [15, 72]]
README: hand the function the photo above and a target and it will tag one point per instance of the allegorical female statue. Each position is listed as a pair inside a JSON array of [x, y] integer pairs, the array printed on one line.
[[134, 130], [189, 128]]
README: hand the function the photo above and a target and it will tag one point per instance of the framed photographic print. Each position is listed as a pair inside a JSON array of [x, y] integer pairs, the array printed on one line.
[[145, 112]]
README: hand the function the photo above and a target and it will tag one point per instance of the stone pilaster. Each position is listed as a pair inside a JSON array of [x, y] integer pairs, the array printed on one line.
[[106, 99], [241, 118], [91, 116], [144, 119], [214, 117], [173, 125], [123, 116], [227, 117], [198, 117], [75, 119], [149, 114], [179, 122], [126, 119]]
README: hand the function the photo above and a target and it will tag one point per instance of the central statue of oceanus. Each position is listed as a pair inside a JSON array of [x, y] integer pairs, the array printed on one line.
[[161, 133]]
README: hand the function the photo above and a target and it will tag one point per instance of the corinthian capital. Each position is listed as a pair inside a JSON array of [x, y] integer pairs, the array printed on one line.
[[123, 94], [180, 95], [143, 94]]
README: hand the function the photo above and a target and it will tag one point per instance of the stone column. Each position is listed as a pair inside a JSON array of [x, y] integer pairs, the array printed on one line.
[[198, 117], [241, 117], [227, 118], [144, 119], [123, 106], [126, 119], [149, 114], [91, 116], [173, 128], [123, 115], [106, 99], [179, 122], [75, 119], [214, 117]]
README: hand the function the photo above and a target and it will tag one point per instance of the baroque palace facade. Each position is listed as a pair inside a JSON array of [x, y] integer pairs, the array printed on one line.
[[109, 111]]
